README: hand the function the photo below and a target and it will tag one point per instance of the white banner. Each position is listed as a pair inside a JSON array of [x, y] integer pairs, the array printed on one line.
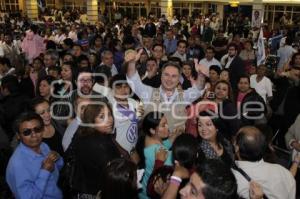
[[257, 18], [261, 54]]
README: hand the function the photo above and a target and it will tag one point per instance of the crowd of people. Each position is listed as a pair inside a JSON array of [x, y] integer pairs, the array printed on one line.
[[147, 108]]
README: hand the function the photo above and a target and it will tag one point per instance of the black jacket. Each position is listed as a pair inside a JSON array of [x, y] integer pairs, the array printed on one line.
[[236, 69], [92, 154], [150, 29], [155, 81], [230, 119], [282, 86], [10, 108], [292, 105], [255, 101]]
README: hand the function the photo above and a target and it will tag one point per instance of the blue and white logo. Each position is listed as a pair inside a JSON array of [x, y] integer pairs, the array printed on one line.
[[132, 134]]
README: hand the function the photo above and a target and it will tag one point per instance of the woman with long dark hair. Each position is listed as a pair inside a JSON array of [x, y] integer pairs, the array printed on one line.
[[211, 140], [156, 136], [119, 180], [93, 148]]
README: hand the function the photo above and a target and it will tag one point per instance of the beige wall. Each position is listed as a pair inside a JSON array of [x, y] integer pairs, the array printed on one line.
[[92, 11], [31, 8], [59, 4], [167, 8]]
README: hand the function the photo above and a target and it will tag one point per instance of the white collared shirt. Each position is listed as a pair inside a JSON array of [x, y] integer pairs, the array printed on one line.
[[180, 56], [144, 92], [113, 70], [277, 182], [168, 99], [207, 63]]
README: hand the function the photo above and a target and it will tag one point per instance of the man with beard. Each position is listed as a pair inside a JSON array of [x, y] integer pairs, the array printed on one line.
[[84, 83], [234, 64]]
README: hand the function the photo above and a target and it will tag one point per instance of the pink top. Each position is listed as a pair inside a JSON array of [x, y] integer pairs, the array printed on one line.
[[240, 99], [32, 45]]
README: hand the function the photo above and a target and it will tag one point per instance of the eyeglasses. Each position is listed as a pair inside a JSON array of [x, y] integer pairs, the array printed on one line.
[[28, 132]]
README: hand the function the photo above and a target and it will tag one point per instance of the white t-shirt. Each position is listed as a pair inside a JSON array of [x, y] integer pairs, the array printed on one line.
[[263, 88], [126, 127]]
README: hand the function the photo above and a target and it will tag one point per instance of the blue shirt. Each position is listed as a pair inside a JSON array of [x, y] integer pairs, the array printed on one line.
[[27, 179], [149, 153], [171, 46]]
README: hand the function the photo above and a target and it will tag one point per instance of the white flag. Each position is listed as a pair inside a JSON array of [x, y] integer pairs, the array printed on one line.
[[261, 54]]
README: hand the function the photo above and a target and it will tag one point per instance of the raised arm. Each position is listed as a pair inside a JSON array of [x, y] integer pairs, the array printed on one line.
[[143, 91], [197, 89]]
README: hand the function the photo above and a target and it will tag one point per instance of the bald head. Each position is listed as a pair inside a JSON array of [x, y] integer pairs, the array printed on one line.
[[251, 143]]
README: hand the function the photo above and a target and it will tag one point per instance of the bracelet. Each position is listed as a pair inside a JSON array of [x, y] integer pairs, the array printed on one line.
[[177, 183], [176, 179]]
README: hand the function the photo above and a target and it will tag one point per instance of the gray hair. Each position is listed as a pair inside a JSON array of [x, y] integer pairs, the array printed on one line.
[[106, 52]]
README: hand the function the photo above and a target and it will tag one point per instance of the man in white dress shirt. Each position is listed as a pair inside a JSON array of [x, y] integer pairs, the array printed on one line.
[[107, 59], [276, 181], [167, 96], [209, 58], [181, 50]]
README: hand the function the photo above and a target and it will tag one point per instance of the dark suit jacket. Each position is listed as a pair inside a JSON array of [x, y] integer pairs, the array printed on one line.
[[42, 74], [207, 34], [292, 105], [229, 121], [150, 29], [236, 69], [10, 108]]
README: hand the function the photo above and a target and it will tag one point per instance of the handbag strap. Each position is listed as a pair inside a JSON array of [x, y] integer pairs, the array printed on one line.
[[242, 172], [245, 175]]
